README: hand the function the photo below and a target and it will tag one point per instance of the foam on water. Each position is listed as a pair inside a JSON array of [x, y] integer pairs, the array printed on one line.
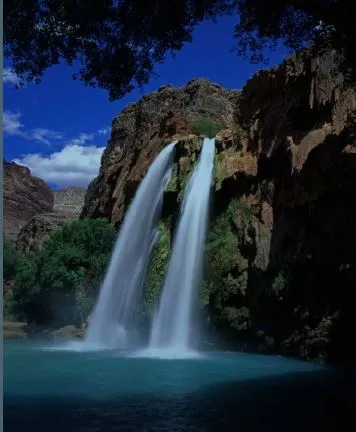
[[168, 354], [76, 346]]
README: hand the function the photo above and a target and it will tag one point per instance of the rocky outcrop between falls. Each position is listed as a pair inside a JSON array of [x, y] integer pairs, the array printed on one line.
[[281, 271], [24, 197], [68, 204], [141, 131]]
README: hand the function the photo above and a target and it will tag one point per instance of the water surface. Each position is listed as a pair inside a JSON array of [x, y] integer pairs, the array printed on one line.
[[46, 389]]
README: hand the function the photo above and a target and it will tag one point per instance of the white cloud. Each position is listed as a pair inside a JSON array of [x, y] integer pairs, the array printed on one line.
[[9, 77], [81, 140], [104, 131], [44, 135], [74, 165], [13, 126]]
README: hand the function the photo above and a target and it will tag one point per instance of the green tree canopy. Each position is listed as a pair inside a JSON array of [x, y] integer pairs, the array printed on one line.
[[60, 283], [297, 23], [12, 260], [115, 44]]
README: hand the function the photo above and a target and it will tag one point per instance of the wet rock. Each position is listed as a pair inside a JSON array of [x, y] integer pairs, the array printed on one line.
[[68, 333]]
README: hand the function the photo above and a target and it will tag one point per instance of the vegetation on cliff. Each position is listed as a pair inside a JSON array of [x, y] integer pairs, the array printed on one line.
[[157, 271], [58, 284], [206, 128]]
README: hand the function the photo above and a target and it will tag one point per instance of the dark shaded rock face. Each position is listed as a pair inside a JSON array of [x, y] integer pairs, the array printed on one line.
[[300, 124], [68, 204], [24, 197], [285, 184]]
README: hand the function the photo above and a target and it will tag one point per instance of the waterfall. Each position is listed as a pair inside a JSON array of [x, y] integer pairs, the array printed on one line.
[[114, 314], [172, 325]]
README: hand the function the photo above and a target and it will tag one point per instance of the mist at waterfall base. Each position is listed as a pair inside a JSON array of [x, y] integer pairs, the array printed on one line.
[[97, 391], [172, 326], [112, 323]]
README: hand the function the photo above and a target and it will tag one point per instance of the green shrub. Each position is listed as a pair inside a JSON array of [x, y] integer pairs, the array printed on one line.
[[60, 282], [156, 272], [237, 138], [206, 128], [221, 246], [241, 215], [235, 286], [279, 284], [12, 260], [218, 172], [172, 184], [183, 179], [237, 318], [224, 279]]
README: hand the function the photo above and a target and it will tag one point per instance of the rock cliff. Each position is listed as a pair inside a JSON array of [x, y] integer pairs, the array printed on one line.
[[293, 285], [69, 200], [141, 131], [68, 204], [24, 197], [283, 274], [32, 210]]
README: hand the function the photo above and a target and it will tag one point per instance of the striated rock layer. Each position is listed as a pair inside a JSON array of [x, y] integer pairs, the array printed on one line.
[[32, 210], [282, 265], [69, 200], [24, 197], [68, 204]]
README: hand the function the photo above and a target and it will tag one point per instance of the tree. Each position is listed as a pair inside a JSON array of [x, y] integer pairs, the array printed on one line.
[[12, 260], [326, 23], [59, 283], [116, 44]]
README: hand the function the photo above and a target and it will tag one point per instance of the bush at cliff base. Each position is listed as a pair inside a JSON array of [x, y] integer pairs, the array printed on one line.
[[58, 285]]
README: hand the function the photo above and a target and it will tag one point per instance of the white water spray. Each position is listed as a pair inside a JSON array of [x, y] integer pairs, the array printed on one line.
[[172, 325], [114, 314]]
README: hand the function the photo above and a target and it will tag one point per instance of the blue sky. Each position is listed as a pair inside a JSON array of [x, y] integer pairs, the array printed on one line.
[[59, 128]]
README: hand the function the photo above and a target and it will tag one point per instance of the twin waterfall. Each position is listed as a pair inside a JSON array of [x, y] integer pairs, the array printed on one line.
[[114, 315], [113, 321], [172, 325]]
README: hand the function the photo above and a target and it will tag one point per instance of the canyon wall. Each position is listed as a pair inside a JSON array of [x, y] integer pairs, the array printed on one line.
[[24, 197], [67, 207], [281, 271], [32, 210]]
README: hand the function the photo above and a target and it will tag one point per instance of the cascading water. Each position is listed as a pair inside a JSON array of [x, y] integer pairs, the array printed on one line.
[[172, 325], [120, 293]]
